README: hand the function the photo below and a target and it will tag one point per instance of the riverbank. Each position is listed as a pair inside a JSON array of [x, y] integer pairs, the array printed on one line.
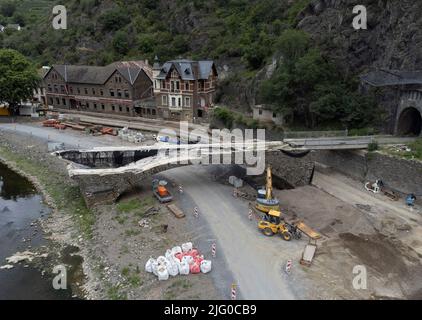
[[69, 217], [113, 246]]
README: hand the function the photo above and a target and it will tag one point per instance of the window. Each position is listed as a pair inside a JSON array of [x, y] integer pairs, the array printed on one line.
[[62, 89], [164, 100], [153, 112], [113, 108], [187, 102], [103, 107], [127, 109], [55, 89], [58, 101], [49, 88], [95, 106], [173, 102], [64, 101], [93, 91], [127, 94], [274, 115], [177, 85], [260, 112], [187, 86], [112, 92], [163, 84], [79, 91], [180, 102], [86, 91], [120, 108], [71, 89], [87, 105], [51, 101], [119, 93], [101, 92]]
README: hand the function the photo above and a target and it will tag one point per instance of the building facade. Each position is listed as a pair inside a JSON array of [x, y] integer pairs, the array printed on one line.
[[184, 89], [263, 113], [119, 88]]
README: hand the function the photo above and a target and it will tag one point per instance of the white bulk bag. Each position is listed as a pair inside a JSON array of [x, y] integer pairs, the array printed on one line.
[[169, 254], [205, 266], [154, 267], [187, 246], [184, 268], [188, 259], [173, 270], [176, 250], [161, 260], [148, 265], [162, 273]]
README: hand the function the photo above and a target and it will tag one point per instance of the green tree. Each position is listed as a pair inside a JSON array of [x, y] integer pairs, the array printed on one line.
[[293, 44], [121, 42], [114, 19], [18, 78], [8, 8]]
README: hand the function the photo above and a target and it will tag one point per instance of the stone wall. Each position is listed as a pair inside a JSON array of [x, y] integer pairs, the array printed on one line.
[[296, 171], [350, 163], [401, 175]]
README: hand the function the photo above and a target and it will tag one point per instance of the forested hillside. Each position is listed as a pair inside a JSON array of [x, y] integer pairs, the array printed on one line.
[[301, 57]]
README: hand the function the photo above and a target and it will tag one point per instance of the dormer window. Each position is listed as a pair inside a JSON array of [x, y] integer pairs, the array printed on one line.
[[187, 71]]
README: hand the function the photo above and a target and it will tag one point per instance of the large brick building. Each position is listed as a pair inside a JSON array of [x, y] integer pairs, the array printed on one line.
[[184, 89], [119, 88], [177, 90]]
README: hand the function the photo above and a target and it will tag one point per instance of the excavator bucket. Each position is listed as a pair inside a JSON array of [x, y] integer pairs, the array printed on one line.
[[308, 231]]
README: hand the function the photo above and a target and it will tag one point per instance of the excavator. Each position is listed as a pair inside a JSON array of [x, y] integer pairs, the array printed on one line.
[[272, 221], [265, 201]]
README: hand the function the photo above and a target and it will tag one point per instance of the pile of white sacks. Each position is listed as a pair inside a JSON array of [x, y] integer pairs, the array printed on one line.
[[182, 260]]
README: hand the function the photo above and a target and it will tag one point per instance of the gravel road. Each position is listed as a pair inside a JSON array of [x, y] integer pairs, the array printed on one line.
[[255, 261]]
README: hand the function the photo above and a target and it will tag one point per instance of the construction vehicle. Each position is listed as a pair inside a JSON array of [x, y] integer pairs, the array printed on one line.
[[160, 191], [265, 201], [272, 224]]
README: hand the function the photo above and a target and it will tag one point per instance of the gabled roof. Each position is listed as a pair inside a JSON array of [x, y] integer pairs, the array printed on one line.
[[187, 69], [384, 77], [129, 70]]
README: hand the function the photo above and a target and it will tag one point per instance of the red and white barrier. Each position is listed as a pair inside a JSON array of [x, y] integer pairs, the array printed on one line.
[[233, 293], [196, 212], [250, 214], [288, 267], [214, 250], [180, 189]]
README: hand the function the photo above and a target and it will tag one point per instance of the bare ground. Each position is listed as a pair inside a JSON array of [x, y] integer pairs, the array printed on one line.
[[360, 228]]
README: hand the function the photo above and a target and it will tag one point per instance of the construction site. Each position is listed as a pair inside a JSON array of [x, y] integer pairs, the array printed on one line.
[[327, 219]]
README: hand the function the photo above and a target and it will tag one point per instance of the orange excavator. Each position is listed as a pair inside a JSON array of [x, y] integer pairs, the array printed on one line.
[[159, 188]]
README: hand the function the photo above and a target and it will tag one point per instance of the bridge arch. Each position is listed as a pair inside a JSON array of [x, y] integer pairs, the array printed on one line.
[[409, 122]]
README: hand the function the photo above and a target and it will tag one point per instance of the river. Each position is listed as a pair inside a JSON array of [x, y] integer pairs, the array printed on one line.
[[20, 206]]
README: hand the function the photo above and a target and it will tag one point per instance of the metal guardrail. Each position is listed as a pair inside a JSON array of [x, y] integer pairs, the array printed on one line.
[[315, 134]]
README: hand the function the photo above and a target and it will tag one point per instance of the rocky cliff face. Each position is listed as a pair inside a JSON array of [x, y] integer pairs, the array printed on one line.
[[393, 38]]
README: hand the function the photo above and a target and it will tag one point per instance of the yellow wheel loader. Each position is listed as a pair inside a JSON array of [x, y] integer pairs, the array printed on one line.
[[272, 224]]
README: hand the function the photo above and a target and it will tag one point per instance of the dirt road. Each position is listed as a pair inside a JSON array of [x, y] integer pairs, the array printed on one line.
[[254, 260]]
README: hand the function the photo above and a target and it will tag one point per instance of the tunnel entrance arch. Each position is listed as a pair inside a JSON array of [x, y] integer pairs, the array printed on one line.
[[410, 122]]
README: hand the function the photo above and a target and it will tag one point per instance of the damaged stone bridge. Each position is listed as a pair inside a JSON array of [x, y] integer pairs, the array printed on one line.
[[105, 173]]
